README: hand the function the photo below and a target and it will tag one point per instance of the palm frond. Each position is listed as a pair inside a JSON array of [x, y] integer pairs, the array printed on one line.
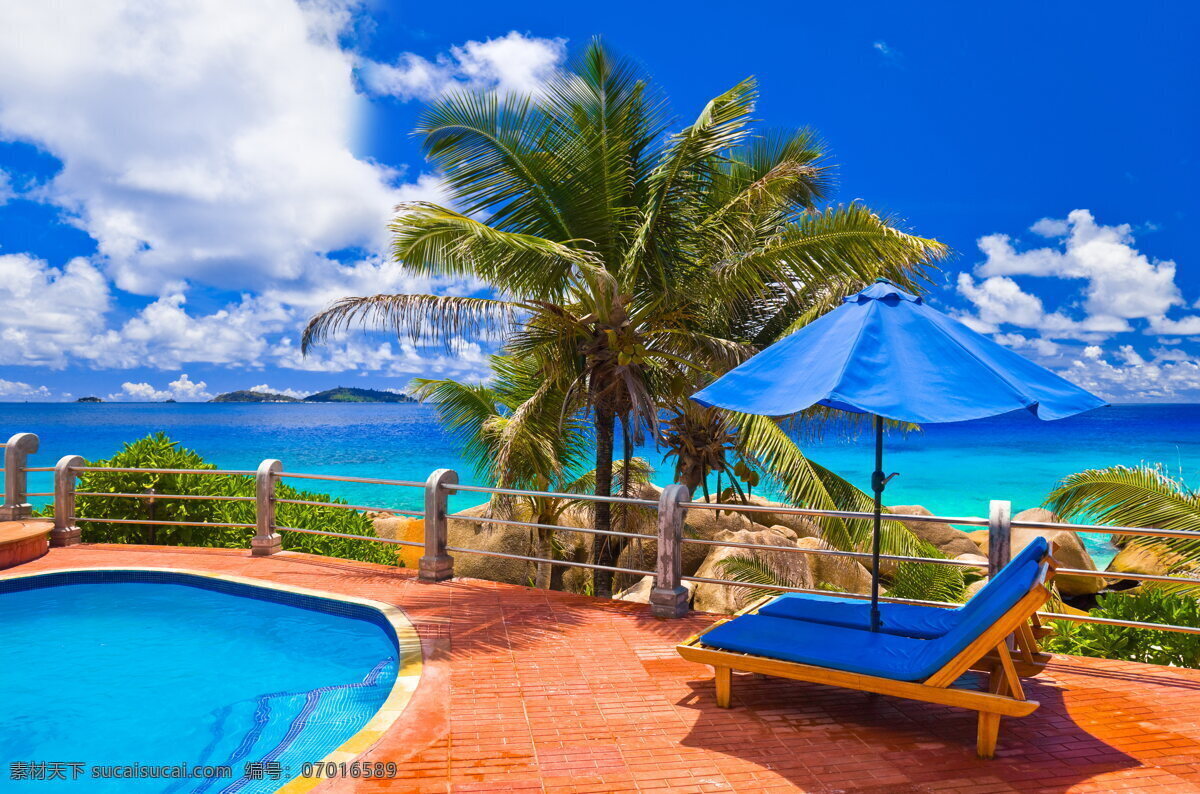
[[422, 318]]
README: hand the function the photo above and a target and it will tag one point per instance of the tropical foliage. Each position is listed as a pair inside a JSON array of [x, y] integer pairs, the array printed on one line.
[[515, 432], [1135, 496], [158, 451], [634, 263], [1149, 605]]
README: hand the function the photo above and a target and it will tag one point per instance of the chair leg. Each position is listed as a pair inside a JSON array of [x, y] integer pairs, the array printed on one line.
[[989, 732], [724, 677]]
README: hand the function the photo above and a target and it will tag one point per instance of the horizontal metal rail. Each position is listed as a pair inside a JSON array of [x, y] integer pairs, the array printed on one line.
[[586, 531], [1147, 577], [836, 594], [371, 538], [161, 523], [168, 496], [37, 468], [568, 563], [338, 478], [1133, 624], [833, 552], [587, 497], [43, 493], [163, 471], [416, 513], [1151, 532], [805, 511]]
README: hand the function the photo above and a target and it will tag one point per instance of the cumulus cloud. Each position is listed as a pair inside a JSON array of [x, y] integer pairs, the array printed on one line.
[[1169, 375], [513, 64], [17, 390], [1118, 283], [183, 389], [204, 141], [47, 313]]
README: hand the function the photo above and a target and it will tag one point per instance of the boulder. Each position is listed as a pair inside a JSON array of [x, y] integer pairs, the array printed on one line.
[[506, 540], [1148, 558], [396, 527], [1068, 550], [803, 526], [789, 566], [945, 538], [845, 574], [639, 592]]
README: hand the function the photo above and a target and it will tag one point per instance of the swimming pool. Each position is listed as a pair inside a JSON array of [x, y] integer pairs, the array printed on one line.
[[107, 673]]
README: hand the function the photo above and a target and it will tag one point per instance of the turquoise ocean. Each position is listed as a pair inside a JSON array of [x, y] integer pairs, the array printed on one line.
[[951, 469]]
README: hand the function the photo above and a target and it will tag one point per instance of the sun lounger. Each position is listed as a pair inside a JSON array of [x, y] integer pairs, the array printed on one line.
[[890, 664], [917, 620]]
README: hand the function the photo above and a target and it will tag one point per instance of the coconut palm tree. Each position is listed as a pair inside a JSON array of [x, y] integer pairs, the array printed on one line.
[[611, 244], [1135, 496], [514, 431]]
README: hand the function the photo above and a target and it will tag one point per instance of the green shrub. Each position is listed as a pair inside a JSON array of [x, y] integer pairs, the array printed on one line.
[[158, 451], [1149, 605]]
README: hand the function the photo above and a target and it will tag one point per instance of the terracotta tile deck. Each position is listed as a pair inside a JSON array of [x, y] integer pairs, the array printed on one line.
[[526, 690]]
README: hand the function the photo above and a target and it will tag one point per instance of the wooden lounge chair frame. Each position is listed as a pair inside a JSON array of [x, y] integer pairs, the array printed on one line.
[[989, 652]]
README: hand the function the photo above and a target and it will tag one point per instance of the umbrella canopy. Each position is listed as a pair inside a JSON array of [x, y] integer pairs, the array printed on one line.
[[886, 352]]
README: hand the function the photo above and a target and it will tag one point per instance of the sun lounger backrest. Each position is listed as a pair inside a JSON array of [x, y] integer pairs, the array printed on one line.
[[1034, 552], [936, 654]]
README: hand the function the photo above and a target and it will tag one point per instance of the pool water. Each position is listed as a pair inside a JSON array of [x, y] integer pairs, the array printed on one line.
[[101, 669]]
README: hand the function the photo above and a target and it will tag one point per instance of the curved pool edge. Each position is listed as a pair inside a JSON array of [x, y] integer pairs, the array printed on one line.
[[408, 673]]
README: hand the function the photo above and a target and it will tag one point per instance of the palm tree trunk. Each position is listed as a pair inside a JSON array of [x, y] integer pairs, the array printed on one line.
[[546, 552], [604, 552]]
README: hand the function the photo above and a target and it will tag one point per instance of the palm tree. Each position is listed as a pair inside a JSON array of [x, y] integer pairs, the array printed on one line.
[[514, 430], [1135, 496], [615, 246]]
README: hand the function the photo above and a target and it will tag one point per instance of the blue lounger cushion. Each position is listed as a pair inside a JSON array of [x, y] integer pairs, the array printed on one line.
[[871, 653], [905, 620]]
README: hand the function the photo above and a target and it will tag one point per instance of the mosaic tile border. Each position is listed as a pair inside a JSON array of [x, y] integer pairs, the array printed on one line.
[[388, 617]]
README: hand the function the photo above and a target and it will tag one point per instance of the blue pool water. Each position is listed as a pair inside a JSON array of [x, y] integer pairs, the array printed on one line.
[[118, 668], [951, 469]]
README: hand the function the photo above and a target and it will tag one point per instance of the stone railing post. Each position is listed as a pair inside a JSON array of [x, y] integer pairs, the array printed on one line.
[[999, 535], [65, 532], [266, 540], [16, 505], [669, 598], [435, 564]]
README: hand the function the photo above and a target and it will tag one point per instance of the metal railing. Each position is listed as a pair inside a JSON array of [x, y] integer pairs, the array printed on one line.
[[668, 596]]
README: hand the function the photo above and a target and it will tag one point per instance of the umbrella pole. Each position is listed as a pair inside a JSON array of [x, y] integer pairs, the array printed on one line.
[[878, 481]]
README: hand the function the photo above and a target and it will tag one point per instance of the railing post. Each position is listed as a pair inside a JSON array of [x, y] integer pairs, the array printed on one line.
[[999, 535], [266, 540], [65, 532], [435, 564], [16, 506], [669, 598]]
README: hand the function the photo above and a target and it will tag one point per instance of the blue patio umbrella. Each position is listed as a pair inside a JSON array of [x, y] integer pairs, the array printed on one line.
[[887, 353]]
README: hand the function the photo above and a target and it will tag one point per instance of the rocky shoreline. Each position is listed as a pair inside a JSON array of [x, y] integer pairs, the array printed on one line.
[[757, 527]]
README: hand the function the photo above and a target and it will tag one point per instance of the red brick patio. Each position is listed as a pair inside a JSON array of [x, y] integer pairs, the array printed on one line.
[[528, 690]]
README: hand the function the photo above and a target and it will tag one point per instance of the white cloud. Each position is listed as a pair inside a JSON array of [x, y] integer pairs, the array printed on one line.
[[201, 140], [885, 50], [183, 389], [6, 188], [1169, 375], [46, 313], [12, 389], [515, 64], [1121, 282]]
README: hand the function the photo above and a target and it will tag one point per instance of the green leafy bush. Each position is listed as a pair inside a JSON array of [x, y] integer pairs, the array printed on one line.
[[158, 451], [1149, 605]]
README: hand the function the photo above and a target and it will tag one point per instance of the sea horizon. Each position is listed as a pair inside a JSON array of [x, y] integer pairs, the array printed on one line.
[[951, 469]]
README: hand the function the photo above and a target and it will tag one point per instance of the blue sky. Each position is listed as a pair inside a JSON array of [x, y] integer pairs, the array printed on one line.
[[183, 183]]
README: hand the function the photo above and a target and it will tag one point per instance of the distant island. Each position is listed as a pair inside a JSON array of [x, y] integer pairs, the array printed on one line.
[[247, 396], [89, 400], [342, 394]]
